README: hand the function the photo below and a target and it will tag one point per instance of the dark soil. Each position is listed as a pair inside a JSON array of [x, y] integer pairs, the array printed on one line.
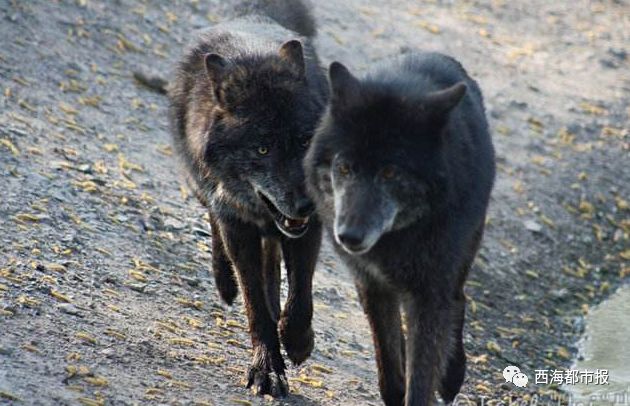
[[105, 295]]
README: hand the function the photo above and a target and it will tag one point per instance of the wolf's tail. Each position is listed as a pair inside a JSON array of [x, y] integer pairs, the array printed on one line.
[[295, 15]]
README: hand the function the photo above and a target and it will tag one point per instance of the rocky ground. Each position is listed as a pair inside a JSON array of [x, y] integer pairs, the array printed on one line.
[[105, 296]]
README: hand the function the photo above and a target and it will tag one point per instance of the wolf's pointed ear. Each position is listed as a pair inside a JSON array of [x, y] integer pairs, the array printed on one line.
[[292, 52], [443, 101], [345, 88], [215, 67]]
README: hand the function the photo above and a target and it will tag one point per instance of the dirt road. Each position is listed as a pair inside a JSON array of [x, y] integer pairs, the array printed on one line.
[[105, 296]]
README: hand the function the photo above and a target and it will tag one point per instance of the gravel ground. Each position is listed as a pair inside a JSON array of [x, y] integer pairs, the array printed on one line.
[[105, 295]]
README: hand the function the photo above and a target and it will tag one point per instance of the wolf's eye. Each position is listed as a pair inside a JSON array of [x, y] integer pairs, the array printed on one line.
[[389, 172], [343, 169], [306, 143], [263, 150]]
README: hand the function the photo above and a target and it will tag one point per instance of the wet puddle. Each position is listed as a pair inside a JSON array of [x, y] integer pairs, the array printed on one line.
[[606, 346]]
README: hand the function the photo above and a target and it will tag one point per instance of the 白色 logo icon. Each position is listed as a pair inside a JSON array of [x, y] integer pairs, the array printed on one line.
[[513, 374]]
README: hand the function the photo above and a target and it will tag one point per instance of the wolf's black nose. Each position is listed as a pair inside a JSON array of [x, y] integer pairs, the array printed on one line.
[[304, 207], [350, 238]]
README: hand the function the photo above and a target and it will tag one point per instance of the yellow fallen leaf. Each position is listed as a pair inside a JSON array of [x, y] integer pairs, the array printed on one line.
[[154, 391], [196, 323], [235, 343], [124, 164], [241, 402], [60, 296], [68, 109], [110, 292], [27, 217], [586, 207], [110, 147], [30, 348], [168, 327], [235, 324], [7, 143], [139, 276], [180, 384], [321, 368], [9, 396], [315, 383], [432, 28], [547, 221], [164, 373], [563, 353], [73, 356], [28, 301], [482, 388], [56, 267], [83, 336], [593, 109], [97, 381], [181, 341], [116, 334], [493, 347], [479, 359], [91, 402], [532, 274]]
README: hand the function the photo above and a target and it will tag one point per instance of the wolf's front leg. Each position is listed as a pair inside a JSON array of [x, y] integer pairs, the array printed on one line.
[[244, 247], [224, 277], [427, 344], [383, 312], [271, 274], [300, 258], [455, 371]]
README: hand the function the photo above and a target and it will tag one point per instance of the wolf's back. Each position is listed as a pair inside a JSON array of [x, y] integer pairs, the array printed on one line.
[[294, 15]]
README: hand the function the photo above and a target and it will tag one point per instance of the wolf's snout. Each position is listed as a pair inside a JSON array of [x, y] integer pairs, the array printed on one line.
[[362, 216], [304, 207], [352, 239]]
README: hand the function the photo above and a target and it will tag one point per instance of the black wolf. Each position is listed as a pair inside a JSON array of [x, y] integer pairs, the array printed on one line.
[[401, 169], [245, 102]]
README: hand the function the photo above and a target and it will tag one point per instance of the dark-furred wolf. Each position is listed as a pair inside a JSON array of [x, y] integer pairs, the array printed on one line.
[[401, 169], [245, 101]]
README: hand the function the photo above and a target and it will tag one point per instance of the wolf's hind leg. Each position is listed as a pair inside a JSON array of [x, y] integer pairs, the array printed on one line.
[[243, 245], [383, 311], [221, 266], [300, 257]]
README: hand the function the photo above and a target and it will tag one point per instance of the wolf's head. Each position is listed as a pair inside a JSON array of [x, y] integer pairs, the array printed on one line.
[[263, 120], [376, 162]]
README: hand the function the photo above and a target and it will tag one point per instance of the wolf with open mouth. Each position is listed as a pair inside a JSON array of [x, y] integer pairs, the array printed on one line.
[[245, 101]]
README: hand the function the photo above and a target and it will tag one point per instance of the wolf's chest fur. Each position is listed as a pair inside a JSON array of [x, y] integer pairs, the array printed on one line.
[[403, 260]]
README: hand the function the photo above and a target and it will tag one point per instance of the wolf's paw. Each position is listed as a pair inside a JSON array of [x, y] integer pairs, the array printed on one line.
[[266, 375], [267, 382], [298, 340]]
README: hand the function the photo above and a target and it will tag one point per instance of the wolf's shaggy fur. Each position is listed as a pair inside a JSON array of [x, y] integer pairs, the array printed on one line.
[[245, 101], [401, 170]]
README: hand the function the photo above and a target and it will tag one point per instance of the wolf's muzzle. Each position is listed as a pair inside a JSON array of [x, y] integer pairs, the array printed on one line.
[[292, 227]]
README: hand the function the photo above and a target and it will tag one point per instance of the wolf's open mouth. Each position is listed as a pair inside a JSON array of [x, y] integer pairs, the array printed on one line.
[[291, 227]]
